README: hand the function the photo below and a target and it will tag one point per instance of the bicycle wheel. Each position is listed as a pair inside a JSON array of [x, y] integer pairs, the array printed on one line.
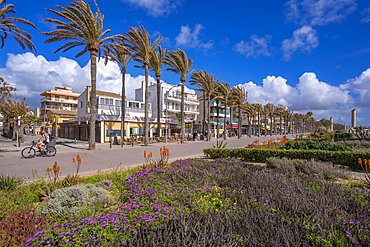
[[50, 151], [28, 153]]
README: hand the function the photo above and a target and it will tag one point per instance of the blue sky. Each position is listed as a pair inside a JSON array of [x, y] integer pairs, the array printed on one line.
[[306, 54]]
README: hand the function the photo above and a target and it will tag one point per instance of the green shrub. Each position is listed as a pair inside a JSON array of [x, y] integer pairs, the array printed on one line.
[[341, 136], [70, 200], [314, 145], [344, 158]]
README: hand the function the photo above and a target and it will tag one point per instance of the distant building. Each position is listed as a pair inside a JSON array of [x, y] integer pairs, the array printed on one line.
[[59, 103], [170, 104]]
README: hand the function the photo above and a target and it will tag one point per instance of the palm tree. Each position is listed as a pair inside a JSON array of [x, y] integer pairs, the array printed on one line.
[[207, 84], [8, 27], [83, 28], [259, 112], [279, 112], [240, 96], [309, 117], [224, 94], [270, 110], [142, 51], [249, 110], [296, 119], [214, 96], [121, 55], [156, 64], [179, 63]]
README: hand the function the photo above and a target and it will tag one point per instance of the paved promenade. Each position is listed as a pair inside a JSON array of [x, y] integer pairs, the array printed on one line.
[[104, 158], [12, 163]]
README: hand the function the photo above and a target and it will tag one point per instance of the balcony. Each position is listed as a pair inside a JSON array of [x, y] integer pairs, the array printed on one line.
[[177, 98], [64, 101]]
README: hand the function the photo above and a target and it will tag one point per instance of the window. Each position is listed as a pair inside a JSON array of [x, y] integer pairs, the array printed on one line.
[[142, 106], [111, 101], [66, 97], [101, 100], [130, 104], [106, 101], [173, 105], [117, 102]]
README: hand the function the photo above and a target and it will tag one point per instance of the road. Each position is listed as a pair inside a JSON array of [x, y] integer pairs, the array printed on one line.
[[104, 158]]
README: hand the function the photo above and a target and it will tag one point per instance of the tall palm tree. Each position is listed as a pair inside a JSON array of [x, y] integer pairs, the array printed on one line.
[[214, 96], [295, 119], [309, 117], [142, 50], [8, 27], [82, 28], [207, 84], [259, 113], [270, 110], [179, 63], [240, 96], [224, 94], [249, 110], [156, 64], [288, 117], [117, 52], [279, 113]]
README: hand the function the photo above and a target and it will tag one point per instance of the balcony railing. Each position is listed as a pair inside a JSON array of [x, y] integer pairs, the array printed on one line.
[[167, 96], [118, 108]]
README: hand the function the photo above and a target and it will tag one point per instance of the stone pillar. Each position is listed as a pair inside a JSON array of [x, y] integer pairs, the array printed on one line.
[[102, 131], [353, 118], [331, 124]]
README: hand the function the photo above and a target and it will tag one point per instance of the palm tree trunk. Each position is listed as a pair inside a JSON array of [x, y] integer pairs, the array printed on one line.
[[240, 121], [182, 111], [271, 125], [250, 126], [218, 119], [231, 119], [225, 129], [146, 123], [259, 127], [204, 115], [92, 100], [209, 117], [158, 106], [123, 108]]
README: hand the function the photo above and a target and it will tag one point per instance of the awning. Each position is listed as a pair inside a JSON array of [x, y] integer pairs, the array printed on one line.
[[234, 125]]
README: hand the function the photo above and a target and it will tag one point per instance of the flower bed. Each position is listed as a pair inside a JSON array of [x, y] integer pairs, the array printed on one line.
[[221, 203]]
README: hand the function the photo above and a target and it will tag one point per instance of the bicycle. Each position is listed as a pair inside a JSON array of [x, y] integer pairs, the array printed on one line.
[[31, 151]]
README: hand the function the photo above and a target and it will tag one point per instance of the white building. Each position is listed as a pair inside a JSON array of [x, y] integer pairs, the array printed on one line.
[[108, 115], [171, 104]]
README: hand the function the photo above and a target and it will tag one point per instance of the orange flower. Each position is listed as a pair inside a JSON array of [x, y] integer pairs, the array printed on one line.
[[78, 157], [365, 161], [144, 153], [73, 159], [79, 161], [359, 161]]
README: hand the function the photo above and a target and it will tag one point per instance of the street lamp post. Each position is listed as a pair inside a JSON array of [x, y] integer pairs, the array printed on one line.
[[167, 109]]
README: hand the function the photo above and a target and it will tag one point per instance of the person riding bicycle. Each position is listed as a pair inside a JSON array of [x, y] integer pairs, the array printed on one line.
[[45, 140]]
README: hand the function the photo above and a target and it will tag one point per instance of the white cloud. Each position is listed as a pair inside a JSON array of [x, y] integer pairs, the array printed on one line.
[[366, 13], [255, 47], [304, 38], [189, 39], [32, 75], [310, 94], [319, 12], [156, 8], [360, 86]]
